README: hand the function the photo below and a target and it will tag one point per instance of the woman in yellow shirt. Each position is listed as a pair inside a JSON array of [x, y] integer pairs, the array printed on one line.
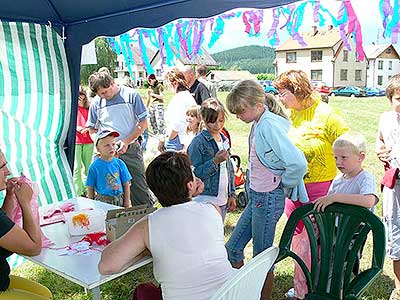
[[315, 126]]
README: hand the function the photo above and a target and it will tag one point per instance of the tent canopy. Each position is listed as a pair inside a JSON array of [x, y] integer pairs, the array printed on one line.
[[81, 21]]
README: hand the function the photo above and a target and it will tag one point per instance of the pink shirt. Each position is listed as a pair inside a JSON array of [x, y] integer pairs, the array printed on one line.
[[261, 179]]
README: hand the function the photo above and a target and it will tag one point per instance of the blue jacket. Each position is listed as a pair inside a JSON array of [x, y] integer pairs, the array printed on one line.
[[202, 151], [278, 154]]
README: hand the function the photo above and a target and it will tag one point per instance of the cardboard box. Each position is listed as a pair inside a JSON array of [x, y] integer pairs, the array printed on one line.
[[118, 221]]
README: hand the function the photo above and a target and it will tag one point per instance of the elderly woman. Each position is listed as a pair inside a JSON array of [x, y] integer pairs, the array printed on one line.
[[14, 239], [185, 238], [175, 115], [315, 126]]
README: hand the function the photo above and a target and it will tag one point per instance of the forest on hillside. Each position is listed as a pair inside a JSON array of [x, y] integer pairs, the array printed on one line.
[[255, 59]]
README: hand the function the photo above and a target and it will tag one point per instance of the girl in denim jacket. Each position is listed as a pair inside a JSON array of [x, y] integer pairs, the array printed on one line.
[[209, 153], [275, 170]]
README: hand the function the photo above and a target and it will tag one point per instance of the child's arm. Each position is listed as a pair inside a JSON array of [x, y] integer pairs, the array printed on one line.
[[205, 168], [127, 194], [356, 199], [231, 204], [90, 192]]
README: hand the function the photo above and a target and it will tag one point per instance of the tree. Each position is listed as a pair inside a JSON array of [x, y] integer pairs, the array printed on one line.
[[106, 57]]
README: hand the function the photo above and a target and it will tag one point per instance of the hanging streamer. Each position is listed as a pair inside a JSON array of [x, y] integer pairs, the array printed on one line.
[[187, 36], [142, 49]]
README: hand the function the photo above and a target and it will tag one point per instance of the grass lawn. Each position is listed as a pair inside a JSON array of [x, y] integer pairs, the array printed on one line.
[[361, 114]]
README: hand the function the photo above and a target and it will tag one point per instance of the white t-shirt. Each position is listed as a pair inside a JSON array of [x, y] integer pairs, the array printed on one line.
[[175, 114], [363, 184], [389, 129], [189, 256]]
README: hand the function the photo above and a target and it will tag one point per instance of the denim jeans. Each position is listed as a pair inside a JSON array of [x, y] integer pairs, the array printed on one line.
[[258, 222]]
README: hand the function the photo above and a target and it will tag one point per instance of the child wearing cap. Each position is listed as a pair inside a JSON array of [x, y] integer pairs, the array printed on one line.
[[108, 176]]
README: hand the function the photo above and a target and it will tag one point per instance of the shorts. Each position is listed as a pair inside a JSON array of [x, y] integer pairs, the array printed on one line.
[[391, 219]]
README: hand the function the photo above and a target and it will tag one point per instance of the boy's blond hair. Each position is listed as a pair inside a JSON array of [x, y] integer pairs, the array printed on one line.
[[393, 85], [353, 140]]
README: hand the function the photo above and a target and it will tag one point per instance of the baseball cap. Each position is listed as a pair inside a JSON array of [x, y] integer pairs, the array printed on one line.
[[151, 76], [103, 133]]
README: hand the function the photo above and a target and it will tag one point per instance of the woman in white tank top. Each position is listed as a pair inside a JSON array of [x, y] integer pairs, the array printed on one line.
[[186, 239]]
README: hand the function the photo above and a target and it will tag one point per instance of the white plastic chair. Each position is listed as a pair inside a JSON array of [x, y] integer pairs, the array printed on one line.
[[248, 281]]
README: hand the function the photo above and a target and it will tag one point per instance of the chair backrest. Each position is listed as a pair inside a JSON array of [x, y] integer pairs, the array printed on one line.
[[341, 232], [248, 281]]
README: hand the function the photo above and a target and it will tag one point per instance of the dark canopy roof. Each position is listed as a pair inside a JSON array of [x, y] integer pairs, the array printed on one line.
[[80, 21]]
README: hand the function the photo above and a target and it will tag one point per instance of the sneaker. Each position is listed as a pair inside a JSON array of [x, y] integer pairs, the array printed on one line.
[[395, 295]]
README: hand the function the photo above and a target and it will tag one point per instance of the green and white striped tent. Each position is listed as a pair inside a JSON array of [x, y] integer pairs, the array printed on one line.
[[35, 108]]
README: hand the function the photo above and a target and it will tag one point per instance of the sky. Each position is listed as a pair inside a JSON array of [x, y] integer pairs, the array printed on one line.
[[368, 15]]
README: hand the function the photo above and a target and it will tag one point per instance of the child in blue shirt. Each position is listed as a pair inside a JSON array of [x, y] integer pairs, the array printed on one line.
[[108, 176]]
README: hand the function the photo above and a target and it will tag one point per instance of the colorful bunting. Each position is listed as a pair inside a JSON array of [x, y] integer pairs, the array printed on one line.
[[183, 38]]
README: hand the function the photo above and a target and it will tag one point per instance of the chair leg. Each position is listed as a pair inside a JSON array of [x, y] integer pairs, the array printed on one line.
[[266, 292]]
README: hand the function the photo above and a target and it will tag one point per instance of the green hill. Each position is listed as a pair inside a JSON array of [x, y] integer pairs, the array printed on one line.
[[255, 59]]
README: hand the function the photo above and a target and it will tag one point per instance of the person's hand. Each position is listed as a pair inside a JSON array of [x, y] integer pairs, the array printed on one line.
[[161, 146], [221, 156], [231, 204], [85, 130], [383, 153], [122, 147], [323, 202], [199, 187], [24, 193], [11, 183]]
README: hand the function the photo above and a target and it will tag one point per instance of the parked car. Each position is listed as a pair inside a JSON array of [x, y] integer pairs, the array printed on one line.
[[349, 91], [374, 91], [268, 87], [321, 87]]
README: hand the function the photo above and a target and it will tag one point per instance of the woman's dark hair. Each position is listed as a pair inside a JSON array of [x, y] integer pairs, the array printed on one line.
[[167, 176]]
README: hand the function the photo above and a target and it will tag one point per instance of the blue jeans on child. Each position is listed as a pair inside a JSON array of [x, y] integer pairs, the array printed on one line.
[[258, 222]]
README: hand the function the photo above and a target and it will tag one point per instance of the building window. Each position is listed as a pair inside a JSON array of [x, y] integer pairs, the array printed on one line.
[[291, 57], [358, 75], [316, 75], [380, 80], [390, 64], [158, 72], [388, 51], [343, 74], [316, 55], [346, 55], [390, 76], [380, 64]]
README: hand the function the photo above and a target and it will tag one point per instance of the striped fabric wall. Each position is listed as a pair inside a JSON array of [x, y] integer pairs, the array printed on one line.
[[35, 106]]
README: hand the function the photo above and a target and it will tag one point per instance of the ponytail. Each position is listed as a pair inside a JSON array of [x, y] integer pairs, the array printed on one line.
[[274, 106]]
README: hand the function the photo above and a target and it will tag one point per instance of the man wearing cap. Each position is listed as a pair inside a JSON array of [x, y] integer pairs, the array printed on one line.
[[198, 90], [121, 109], [108, 176]]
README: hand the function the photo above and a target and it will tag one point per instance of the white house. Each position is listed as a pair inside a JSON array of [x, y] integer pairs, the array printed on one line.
[[384, 62], [138, 71], [323, 59], [203, 58]]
